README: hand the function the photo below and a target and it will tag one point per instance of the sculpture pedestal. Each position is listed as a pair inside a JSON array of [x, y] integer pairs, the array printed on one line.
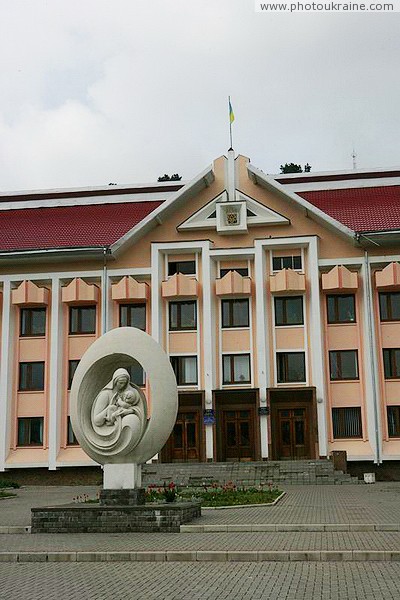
[[125, 476], [134, 497]]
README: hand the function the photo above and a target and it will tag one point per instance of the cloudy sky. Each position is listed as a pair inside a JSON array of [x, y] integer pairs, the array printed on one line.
[[99, 91]]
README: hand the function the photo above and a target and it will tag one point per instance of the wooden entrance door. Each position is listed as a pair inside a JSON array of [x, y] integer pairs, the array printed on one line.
[[185, 438], [238, 434], [293, 436]]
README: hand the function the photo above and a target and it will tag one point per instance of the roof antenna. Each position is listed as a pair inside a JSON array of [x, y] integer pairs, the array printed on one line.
[[354, 157]]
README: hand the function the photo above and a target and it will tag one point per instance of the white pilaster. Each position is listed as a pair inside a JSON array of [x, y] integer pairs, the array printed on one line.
[[372, 392], [317, 353], [261, 340], [156, 299], [55, 374], [230, 176], [7, 354], [208, 273]]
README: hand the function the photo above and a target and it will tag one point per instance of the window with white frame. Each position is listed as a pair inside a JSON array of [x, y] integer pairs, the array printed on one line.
[[287, 262], [235, 368], [291, 367], [185, 369]]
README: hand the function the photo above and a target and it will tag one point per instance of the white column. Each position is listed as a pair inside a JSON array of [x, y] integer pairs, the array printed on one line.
[[372, 393], [317, 353], [261, 340], [6, 369], [208, 271], [56, 370], [230, 182], [156, 299]]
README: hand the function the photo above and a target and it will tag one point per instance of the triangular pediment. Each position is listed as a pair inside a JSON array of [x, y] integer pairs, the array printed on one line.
[[256, 213]]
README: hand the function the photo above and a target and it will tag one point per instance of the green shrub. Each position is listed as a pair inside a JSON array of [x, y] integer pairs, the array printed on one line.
[[9, 484]]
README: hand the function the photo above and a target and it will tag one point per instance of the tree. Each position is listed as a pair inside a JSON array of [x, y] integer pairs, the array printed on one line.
[[293, 168], [174, 177]]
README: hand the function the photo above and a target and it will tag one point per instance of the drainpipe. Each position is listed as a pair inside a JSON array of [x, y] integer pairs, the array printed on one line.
[[104, 293], [371, 336]]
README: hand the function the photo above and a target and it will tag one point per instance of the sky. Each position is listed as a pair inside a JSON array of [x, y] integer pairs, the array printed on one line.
[[122, 91]]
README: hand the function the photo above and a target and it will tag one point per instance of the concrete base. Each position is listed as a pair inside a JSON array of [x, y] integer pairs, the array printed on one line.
[[89, 518], [126, 476]]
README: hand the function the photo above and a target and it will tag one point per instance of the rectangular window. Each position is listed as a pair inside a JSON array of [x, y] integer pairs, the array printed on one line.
[[30, 431], [31, 376], [32, 322], [341, 308], [185, 368], [137, 374], [343, 364], [243, 271], [132, 315], [389, 305], [291, 367], [289, 310], [391, 361], [286, 262], [235, 368], [393, 417], [347, 422], [71, 439], [72, 365], [82, 319], [187, 267], [235, 313], [182, 315]]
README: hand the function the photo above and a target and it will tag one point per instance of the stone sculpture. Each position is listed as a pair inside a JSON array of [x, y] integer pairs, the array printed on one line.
[[110, 415], [119, 405]]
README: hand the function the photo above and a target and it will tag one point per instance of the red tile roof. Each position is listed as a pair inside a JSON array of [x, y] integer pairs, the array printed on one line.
[[361, 209], [70, 226]]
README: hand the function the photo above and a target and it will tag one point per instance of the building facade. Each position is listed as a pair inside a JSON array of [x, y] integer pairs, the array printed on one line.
[[277, 299]]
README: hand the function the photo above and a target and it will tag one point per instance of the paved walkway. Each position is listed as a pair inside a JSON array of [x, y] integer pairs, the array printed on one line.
[[249, 563], [194, 581]]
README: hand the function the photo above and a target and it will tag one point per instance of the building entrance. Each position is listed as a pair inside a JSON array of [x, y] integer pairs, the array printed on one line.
[[185, 444], [237, 433], [293, 424]]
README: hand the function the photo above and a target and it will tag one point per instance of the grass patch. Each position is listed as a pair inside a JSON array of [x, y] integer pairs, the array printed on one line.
[[4, 494]]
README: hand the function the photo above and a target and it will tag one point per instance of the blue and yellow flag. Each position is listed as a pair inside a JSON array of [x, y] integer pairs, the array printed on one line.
[[231, 115]]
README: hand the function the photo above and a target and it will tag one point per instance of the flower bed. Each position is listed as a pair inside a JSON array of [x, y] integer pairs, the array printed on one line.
[[215, 495]]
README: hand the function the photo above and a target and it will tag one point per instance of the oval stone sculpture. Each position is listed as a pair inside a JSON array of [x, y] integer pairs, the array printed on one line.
[[108, 412]]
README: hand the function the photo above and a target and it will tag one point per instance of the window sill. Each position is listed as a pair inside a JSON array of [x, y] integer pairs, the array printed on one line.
[[40, 446], [238, 328], [182, 330], [344, 380], [290, 326], [31, 336], [82, 334], [31, 391], [299, 383], [234, 384], [341, 323]]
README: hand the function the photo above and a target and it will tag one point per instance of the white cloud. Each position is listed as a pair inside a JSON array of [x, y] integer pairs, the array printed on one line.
[[96, 91]]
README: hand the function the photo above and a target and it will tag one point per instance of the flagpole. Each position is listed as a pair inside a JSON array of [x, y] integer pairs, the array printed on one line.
[[230, 123]]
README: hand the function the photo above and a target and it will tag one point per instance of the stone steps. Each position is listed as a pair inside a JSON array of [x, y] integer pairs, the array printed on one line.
[[312, 472]]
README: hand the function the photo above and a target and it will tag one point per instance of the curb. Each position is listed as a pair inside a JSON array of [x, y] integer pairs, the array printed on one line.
[[15, 529], [205, 556], [283, 527], [244, 505]]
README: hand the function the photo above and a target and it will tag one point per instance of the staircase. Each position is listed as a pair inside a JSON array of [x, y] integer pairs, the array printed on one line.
[[299, 472]]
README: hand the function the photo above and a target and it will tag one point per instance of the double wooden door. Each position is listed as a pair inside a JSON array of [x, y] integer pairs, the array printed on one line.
[[238, 434], [292, 429], [185, 438]]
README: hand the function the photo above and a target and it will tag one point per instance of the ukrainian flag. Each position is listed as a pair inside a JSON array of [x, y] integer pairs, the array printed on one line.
[[231, 115]]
